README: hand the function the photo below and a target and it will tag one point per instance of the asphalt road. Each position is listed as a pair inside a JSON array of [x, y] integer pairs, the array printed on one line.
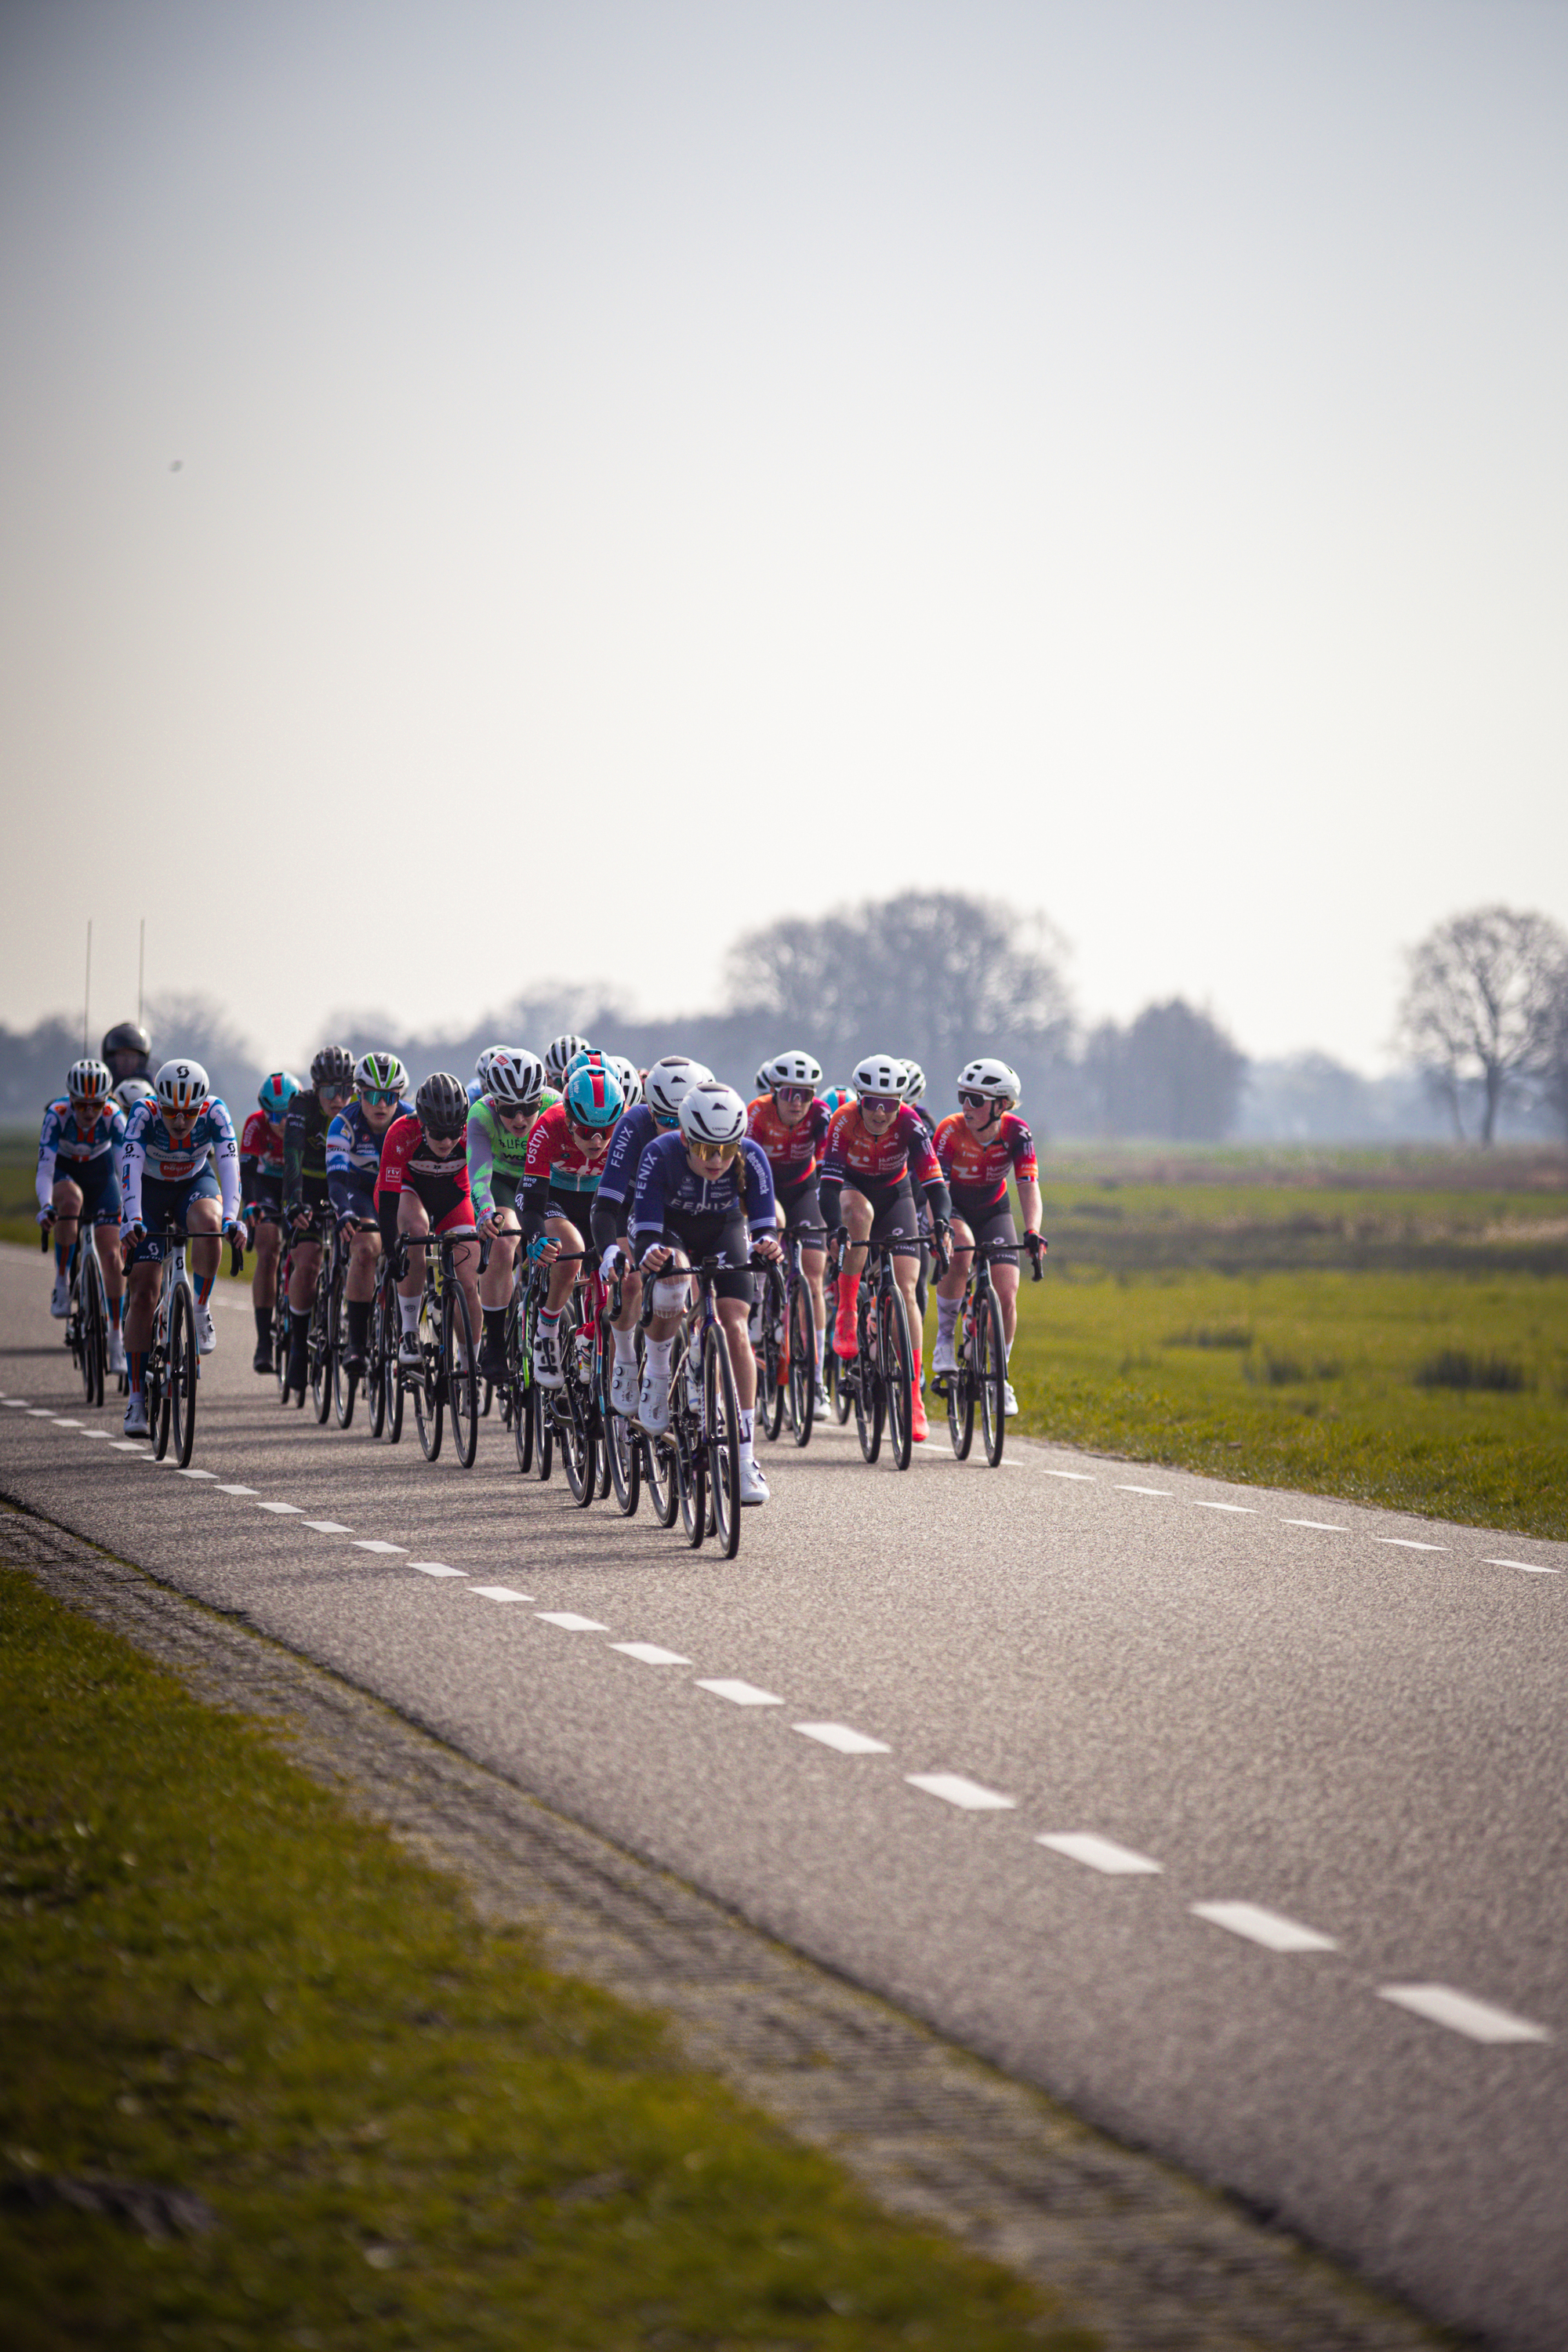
[[1234, 1817]]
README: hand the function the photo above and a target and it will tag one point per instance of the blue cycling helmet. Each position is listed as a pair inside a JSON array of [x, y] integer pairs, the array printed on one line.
[[274, 1094], [594, 1096]]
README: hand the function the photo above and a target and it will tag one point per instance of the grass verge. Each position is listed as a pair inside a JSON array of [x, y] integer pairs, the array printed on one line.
[[398, 2129]]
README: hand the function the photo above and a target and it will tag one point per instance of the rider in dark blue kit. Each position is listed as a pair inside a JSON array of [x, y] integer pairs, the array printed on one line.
[[667, 1084]]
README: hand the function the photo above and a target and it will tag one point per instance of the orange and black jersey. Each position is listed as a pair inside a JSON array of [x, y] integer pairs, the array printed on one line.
[[978, 1167]]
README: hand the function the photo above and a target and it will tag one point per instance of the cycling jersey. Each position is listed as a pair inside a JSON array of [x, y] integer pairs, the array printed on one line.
[[978, 1168], [669, 1193], [65, 1148], [151, 1152], [495, 1153], [262, 1161], [305, 1149], [353, 1162], [881, 1165], [556, 1162], [409, 1165], [792, 1150], [635, 1131]]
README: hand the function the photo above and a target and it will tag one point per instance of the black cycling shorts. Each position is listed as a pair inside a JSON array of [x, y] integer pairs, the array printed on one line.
[[992, 1221], [724, 1235], [577, 1208], [802, 1205], [893, 1218]]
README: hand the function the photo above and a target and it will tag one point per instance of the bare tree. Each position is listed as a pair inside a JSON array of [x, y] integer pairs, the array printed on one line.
[[1478, 1010], [1550, 1066], [1174, 1072]]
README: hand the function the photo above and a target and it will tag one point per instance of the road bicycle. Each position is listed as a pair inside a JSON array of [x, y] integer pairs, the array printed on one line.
[[786, 1342], [383, 1389], [981, 1355], [694, 1467], [880, 1380], [569, 1417], [344, 1384], [173, 1364], [86, 1315], [447, 1375], [317, 1227], [621, 1443]]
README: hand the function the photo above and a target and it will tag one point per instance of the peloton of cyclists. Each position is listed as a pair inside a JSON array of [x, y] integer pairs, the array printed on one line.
[[80, 1147], [355, 1140], [980, 1147], [165, 1180]]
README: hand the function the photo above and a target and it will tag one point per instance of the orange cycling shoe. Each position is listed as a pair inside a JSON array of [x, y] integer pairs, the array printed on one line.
[[918, 1429]]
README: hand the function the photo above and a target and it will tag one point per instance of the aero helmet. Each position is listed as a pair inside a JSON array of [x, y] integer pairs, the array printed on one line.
[[516, 1079], [671, 1078], [274, 1094], [181, 1086], [593, 1094], [87, 1081], [989, 1077], [441, 1105], [792, 1069], [381, 1074], [560, 1052], [334, 1066], [712, 1114], [882, 1077]]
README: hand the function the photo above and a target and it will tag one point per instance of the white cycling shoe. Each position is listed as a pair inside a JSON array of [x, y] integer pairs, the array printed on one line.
[[408, 1349], [547, 1360], [624, 1388], [60, 1298], [1009, 1402], [942, 1359], [206, 1336], [753, 1485], [653, 1404], [136, 1416], [819, 1399], [116, 1349]]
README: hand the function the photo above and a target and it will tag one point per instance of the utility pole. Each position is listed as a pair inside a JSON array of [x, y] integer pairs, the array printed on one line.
[[86, 987]]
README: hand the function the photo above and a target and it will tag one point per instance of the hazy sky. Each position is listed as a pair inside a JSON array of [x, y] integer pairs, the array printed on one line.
[[647, 467]]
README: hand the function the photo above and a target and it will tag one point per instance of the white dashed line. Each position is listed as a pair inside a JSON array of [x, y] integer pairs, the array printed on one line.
[[1462, 2013], [1143, 1490], [238, 1490], [289, 1510], [1085, 1478], [742, 1693], [1101, 1854], [499, 1593], [1406, 1543], [1249, 1510], [1324, 1526], [93, 1432], [568, 1622], [328, 1527], [648, 1653], [955, 1790], [60, 1423], [17, 1404], [127, 1445], [1528, 1566], [839, 1735], [198, 1474], [361, 1543], [39, 1413], [436, 1567], [1260, 1926]]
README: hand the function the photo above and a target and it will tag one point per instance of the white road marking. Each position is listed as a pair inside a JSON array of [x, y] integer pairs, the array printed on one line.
[[361, 1543], [1406, 1544], [60, 1423], [1462, 2013], [499, 1593], [236, 1490], [1086, 1476], [328, 1527], [127, 1445], [1324, 1526], [1249, 1510], [293, 1510], [17, 1404], [568, 1622], [648, 1653], [1261, 1926], [1101, 1853], [955, 1790], [1530, 1567], [839, 1735], [198, 1474], [94, 1432], [742, 1693], [1143, 1490], [436, 1567], [39, 1413]]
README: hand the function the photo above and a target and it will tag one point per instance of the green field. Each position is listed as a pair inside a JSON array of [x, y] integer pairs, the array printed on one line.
[[401, 2130]]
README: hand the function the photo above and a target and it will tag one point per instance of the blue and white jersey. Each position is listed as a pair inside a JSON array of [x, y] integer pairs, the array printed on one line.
[[353, 1162], [635, 1131], [669, 1192], [150, 1151], [66, 1148]]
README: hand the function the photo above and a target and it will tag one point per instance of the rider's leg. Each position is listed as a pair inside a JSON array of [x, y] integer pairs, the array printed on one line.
[[303, 1275], [144, 1288], [856, 1211], [263, 1284], [907, 1275], [465, 1266], [412, 1219], [106, 1241], [950, 1296], [359, 1289], [66, 1198], [495, 1286], [203, 1222], [1004, 1281]]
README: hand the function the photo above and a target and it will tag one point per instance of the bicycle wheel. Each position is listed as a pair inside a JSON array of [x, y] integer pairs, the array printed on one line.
[[320, 1346], [990, 1375], [345, 1384], [430, 1388], [280, 1327], [462, 1376], [840, 1390], [871, 1399], [961, 1389], [519, 1395], [659, 1476], [691, 1478], [721, 1421], [801, 1381], [544, 1419], [897, 1370], [623, 1447], [394, 1376], [92, 1306], [772, 1352], [376, 1354], [579, 1446], [183, 1370]]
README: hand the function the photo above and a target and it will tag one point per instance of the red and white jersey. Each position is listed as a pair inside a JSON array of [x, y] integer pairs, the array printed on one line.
[[982, 1164], [852, 1152], [556, 1158], [408, 1163], [792, 1150], [262, 1145]]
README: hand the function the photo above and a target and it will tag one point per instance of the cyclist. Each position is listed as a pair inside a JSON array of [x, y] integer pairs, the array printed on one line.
[[309, 1115], [669, 1083], [132, 1091], [128, 1051], [353, 1162], [980, 1147], [790, 1120], [914, 1089], [500, 1125], [706, 1192], [566, 1160], [79, 1146], [630, 1077], [422, 1188], [261, 1195], [878, 1149], [180, 1166], [479, 1083], [559, 1055]]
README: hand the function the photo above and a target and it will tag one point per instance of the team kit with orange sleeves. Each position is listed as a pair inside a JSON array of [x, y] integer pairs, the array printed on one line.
[[852, 1165]]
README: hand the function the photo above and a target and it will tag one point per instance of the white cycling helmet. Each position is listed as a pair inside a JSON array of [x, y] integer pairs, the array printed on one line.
[[482, 1066], [181, 1086], [712, 1114], [561, 1053], [882, 1077], [132, 1091], [87, 1081], [669, 1082], [629, 1076], [515, 1077], [989, 1077], [917, 1082], [794, 1069]]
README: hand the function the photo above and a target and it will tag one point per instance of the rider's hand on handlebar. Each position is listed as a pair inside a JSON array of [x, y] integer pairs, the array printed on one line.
[[47, 1217]]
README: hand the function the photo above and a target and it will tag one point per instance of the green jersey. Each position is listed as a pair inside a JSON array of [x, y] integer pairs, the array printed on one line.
[[494, 1154]]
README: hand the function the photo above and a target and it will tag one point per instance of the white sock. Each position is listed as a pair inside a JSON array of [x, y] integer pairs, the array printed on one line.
[[626, 1345], [656, 1359], [947, 1317], [408, 1308], [821, 1351], [744, 1428]]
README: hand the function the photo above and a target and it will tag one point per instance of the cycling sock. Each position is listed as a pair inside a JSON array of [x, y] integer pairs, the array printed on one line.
[[743, 1426], [204, 1287], [947, 1317], [656, 1358], [495, 1323], [263, 1325], [626, 1345], [359, 1325], [136, 1364], [114, 1306], [62, 1256], [821, 1337], [548, 1322], [299, 1329], [408, 1308]]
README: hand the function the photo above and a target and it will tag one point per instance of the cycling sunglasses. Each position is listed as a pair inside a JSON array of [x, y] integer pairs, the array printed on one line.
[[723, 1152], [587, 1134], [380, 1097], [976, 1102], [792, 1095]]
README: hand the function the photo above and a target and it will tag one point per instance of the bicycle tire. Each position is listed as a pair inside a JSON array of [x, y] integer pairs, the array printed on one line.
[[185, 1370], [394, 1393], [345, 1384], [93, 1311], [519, 1397], [961, 1390], [802, 1380], [430, 1389], [375, 1366], [897, 1373], [623, 1453], [157, 1394], [772, 1355], [722, 1418], [840, 1391], [544, 1432], [691, 1484], [990, 1374], [659, 1479], [579, 1450], [318, 1342], [462, 1376], [281, 1326], [870, 1403]]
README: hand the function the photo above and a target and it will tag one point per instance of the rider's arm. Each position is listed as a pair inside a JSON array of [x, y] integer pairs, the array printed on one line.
[[49, 1145], [294, 1154], [130, 1168], [481, 1161], [647, 1200], [340, 1167], [226, 1157], [762, 1204], [607, 1223]]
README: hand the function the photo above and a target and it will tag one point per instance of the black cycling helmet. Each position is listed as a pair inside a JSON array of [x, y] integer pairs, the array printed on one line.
[[334, 1066], [441, 1104], [130, 1038]]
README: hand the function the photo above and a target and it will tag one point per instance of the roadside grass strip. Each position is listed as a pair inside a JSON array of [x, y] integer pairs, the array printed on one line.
[[282, 2085]]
